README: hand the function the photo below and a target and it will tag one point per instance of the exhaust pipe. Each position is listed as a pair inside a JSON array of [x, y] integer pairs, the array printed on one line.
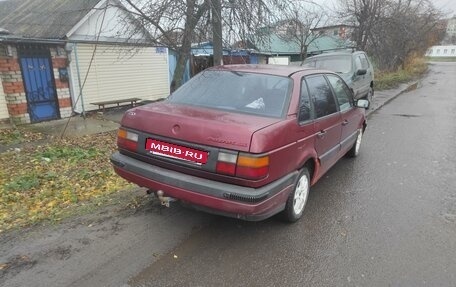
[[164, 200]]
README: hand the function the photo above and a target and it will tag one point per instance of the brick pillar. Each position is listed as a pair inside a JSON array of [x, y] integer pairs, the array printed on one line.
[[13, 86], [60, 60]]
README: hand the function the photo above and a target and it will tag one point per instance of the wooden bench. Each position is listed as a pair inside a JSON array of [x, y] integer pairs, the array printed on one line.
[[101, 105]]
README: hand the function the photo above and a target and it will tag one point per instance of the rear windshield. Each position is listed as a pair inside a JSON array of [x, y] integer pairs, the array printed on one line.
[[259, 94], [339, 64]]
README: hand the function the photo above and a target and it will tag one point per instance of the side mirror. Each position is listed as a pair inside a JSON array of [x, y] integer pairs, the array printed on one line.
[[362, 103], [361, 72]]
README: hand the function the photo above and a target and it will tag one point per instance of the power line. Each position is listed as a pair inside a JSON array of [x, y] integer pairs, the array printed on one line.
[[88, 68]]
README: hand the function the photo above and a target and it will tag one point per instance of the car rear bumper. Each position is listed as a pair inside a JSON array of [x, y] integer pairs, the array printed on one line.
[[208, 195]]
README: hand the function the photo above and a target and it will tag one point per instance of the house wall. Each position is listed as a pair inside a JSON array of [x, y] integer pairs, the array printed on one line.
[[3, 108], [14, 90], [117, 72], [279, 60], [115, 27]]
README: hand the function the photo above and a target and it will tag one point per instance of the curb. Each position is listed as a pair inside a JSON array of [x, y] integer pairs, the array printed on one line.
[[409, 87]]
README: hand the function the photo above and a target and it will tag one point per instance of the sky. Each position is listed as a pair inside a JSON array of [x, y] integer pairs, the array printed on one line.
[[446, 6]]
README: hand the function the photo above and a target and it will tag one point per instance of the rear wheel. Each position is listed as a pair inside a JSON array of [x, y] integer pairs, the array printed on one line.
[[354, 151], [298, 198]]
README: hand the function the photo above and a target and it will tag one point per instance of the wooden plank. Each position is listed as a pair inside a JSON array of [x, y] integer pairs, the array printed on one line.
[[101, 105], [116, 101]]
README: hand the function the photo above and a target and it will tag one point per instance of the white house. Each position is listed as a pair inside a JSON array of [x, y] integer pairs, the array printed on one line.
[[442, 51], [60, 56]]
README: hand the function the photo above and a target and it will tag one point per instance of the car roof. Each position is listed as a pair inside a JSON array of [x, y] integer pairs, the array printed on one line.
[[333, 54], [278, 70]]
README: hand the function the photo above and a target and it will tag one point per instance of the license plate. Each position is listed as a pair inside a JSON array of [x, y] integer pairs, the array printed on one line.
[[162, 148]]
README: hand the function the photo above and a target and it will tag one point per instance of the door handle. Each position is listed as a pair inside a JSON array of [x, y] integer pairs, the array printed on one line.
[[321, 134], [345, 122]]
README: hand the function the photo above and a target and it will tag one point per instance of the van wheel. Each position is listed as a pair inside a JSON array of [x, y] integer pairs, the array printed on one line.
[[298, 198], [354, 151]]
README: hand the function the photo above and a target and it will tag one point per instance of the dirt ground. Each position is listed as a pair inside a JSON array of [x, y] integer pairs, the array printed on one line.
[[127, 235], [18, 253]]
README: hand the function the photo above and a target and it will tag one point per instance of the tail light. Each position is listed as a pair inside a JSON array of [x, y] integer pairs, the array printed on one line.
[[127, 139], [244, 165], [251, 166], [226, 163]]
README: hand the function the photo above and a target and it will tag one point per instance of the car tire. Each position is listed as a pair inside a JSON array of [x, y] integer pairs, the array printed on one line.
[[370, 94], [354, 151], [297, 200]]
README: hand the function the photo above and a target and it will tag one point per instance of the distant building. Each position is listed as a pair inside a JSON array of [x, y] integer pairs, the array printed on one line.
[[442, 51], [450, 33], [279, 47], [342, 31]]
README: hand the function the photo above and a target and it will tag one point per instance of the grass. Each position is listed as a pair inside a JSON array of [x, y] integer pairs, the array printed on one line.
[[441, 59], [12, 136], [50, 181], [389, 80]]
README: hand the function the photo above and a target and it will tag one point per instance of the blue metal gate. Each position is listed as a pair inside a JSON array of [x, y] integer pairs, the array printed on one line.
[[39, 83]]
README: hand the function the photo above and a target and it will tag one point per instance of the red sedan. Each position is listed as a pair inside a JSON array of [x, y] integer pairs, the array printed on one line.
[[245, 141]]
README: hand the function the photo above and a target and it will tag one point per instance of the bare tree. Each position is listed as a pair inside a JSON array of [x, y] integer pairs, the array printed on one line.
[[179, 23], [364, 14], [408, 28], [300, 18], [393, 30], [173, 22]]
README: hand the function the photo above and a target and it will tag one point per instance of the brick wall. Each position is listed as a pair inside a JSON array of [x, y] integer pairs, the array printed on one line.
[[13, 86]]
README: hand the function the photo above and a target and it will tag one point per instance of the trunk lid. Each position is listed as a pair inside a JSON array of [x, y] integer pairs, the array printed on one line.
[[197, 125]]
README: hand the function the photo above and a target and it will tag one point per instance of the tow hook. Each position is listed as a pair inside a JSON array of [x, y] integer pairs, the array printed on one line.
[[164, 200]]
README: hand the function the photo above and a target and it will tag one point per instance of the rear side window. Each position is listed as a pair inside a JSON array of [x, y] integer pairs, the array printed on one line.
[[358, 63], [259, 94], [305, 108], [340, 64], [321, 95], [364, 61], [341, 91]]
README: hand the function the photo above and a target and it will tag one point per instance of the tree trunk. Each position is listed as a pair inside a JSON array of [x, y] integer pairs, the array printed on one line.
[[303, 53], [193, 15], [216, 9]]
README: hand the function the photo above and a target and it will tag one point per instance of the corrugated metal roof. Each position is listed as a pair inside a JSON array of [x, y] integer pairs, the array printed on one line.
[[276, 45], [48, 19]]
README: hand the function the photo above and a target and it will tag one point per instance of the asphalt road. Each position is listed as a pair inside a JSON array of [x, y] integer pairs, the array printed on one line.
[[386, 218]]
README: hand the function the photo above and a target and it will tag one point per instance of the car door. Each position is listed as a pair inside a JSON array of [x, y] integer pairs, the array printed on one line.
[[350, 118], [327, 122]]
